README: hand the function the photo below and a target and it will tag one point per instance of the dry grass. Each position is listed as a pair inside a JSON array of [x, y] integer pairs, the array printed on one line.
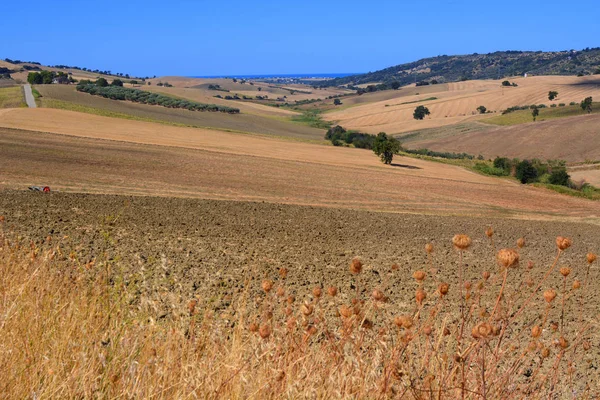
[[74, 329], [12, 97], [458, 102]]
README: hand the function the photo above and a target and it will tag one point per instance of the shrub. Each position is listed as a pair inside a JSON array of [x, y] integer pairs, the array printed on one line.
[[559, 177], [481, 109], [420, 112], [489, 170], [526, 172], [385, 147]]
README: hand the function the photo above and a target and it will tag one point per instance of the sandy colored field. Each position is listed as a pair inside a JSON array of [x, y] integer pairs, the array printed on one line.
[[272, 90], [573, 139], [243, 122], [221, 165], [207, 96], [460, 101], [591, 176]]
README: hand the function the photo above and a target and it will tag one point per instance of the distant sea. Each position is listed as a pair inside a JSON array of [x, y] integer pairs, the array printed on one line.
[[272, 76]]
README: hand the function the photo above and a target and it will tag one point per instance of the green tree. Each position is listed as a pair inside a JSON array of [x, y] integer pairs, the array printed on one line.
[[385, 147], [421, 112], [34, 78], [117, 82], [535, 111], [586, 104], [506, 83], [526, 172], [481, 109], [337, 102], [552, 95], [101, 82], [559, 177], [395, 85]]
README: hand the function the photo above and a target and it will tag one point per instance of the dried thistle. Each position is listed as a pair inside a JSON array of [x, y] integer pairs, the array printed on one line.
[[549, 295], [332, 291], [489, 232], [429, 248], [536, 331], [317, 292], [355, 266], [267, 285], [521, 242], [565, 271], [443, 288], [283, 271], [420, 296], [563, 243], [591, 257], [419, 276], [461, 242], [264, 331], [486, 275], [377, 295], [576, 284], [508, 258]]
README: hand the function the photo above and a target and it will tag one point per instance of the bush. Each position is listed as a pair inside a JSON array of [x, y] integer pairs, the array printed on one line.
[[526, 172], [559, 177], [489, 170], [420, 112], [481, 109], [385, 147]]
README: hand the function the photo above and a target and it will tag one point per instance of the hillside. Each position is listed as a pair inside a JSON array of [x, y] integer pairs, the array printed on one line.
[[457, 102], [495, 65]]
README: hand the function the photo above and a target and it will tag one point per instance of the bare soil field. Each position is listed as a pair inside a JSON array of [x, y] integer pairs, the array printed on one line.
[[208, 245], [219, 165], [238, 122], [591, 176], [460, 101], [573, 139]]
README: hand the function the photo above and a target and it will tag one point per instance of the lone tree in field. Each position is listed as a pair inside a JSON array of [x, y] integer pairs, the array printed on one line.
[[586, 104], [481, 109], [552, 95], [337, 102], [385, 147], [421, 112], [535, 111]]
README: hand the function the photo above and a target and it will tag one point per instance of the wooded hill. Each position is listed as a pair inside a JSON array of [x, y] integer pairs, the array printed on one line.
[[482, 66]]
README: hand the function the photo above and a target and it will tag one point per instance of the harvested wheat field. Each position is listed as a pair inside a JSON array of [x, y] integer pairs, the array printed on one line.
[[213, 164], [573, 139], [166, 297], [459, 102]]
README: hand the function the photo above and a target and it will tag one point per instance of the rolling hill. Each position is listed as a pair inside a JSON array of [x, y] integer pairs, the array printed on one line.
[[495, 65]]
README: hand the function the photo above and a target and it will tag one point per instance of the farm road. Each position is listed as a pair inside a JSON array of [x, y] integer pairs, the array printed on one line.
[[29, 96]]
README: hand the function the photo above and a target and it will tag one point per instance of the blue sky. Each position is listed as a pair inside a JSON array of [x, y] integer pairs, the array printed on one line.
[[185, 37]]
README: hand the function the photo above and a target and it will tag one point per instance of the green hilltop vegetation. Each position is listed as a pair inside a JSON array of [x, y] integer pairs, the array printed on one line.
[[482, 66]]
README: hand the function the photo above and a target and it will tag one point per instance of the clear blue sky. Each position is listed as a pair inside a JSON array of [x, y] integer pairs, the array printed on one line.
[[186, 37]]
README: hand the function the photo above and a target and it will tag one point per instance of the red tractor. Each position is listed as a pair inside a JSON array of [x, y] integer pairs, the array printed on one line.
[[45, 189]]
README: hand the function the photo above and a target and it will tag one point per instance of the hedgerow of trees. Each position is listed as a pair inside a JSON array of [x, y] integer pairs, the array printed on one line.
[[47, 77], [340, 136], [144, 97]]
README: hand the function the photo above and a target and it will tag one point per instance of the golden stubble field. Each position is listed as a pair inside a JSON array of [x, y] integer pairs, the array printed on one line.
[[457, 102], [104, 155]]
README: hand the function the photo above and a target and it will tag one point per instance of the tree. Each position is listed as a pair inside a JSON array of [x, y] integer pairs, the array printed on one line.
[[526, 172], [559, 177], [481, 109], [337, 102], [586, 104], [259, 89], [385, 147], [101, 82], [552, 95], [34, 78], [395, 85], [535, 111], [421, 112], [117, 82], [506, 83]]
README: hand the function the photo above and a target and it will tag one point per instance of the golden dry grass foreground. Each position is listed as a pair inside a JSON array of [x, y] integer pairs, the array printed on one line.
[[104, 155], [457, 102]]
